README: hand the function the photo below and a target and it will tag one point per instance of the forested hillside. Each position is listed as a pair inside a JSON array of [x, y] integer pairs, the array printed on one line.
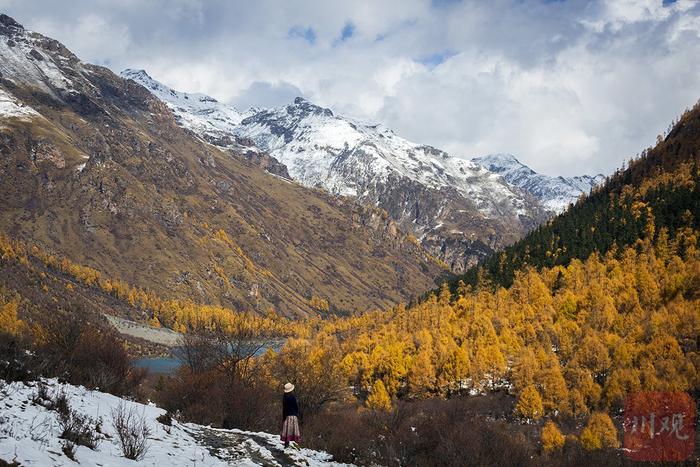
[[658, 189]]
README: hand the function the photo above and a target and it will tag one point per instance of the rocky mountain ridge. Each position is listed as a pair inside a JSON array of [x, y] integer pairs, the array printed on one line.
[[555, 193]]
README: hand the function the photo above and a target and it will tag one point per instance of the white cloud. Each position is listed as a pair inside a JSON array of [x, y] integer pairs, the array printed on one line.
[[569, 87]]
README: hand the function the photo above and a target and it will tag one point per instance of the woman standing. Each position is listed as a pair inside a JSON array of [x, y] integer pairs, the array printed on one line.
[[290, 414]]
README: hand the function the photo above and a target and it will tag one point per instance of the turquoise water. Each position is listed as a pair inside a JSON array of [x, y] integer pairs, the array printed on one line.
[[159, 365], [167, 365]]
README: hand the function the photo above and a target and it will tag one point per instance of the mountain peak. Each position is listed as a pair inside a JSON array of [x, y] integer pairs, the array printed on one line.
[[212, 120], [307, 107], [141, 77], [141, 73], [498, 160], [9, 25]]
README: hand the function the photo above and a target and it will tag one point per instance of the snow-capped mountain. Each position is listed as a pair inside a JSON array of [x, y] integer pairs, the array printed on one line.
[[456, 208], [555, 193], [346, 157]]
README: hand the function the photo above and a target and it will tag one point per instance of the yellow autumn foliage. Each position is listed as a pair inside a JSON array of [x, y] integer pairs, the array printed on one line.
[[551, 438], [529, 404], [379, 397], [599, 433], [9, 321]]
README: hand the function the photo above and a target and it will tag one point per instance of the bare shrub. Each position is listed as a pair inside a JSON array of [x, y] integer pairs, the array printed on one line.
[[251, 404], [211, 398], [41, 396], [41, 430], [15, 361], [100, 361], [79, 429], [198, 351], [229, 351], [76, 428], [59, 332], [197, 397], [68, 449], [352, 444], [132, 432], [58, 401], [86, 353]]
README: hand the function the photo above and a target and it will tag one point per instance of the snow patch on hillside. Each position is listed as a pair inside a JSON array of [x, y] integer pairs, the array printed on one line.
[[12, 108], [29, 434], [23, 60]]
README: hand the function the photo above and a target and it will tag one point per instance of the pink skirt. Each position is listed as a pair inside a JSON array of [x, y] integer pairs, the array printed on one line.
[[290, 430]]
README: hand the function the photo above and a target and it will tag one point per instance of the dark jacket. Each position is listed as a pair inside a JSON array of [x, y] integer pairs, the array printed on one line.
[[289, 405]]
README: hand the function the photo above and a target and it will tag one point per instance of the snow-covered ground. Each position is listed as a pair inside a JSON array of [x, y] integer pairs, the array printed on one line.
[[29, 435]]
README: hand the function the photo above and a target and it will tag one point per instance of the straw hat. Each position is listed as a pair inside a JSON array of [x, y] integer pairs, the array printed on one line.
[[289, 387]]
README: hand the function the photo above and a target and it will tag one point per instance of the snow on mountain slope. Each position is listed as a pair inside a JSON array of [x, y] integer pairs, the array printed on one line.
[[456, 208], [23, 62], [202, 114], [29, 435], [346, 156], [555, 193]]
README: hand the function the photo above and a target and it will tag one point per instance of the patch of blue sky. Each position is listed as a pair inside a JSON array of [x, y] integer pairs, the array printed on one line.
[[435, 59], [443, 3], [346, 33], [301, 32]]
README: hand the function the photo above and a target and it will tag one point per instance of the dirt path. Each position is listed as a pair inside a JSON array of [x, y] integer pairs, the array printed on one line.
[[235, 448]]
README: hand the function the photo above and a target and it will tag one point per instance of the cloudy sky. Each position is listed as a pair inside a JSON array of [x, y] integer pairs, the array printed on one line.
[[567, 86]]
